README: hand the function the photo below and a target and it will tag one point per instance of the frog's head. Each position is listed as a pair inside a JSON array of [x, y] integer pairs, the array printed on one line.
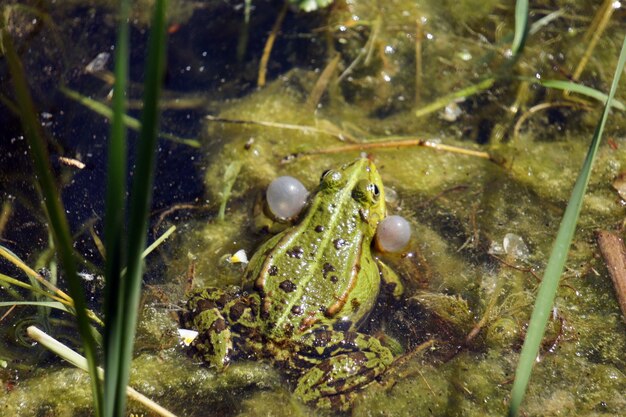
[[359, 185]]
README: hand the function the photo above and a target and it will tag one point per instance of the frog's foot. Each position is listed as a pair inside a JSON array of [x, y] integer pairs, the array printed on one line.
[[204, 313], [346, 361]]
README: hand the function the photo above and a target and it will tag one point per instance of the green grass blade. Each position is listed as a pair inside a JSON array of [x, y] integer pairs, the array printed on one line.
[[442, 102], [49, 304], [54, 208], [521, 26], [577, 88], [115, 215], [130, 122], [5, 279], [126, 317], [556, 263]]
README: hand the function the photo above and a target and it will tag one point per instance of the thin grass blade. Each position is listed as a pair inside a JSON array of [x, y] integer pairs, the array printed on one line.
[[126, 316], [49, 304], [578, 88], [54, 208], [556, 263], [521, 26], [114, 217]]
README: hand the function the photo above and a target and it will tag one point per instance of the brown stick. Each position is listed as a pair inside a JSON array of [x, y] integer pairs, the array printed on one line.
[[322, 83], [419, 34], [269, 44], [614, 253]]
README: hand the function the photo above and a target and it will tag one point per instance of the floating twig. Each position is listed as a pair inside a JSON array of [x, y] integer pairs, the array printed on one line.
[[461, 94], [71, 162], [269, 44], [537, 108], [396, 142], [614, 254], [9, 311], [595, 31], [337, 133], [5, 215], [322, 83], [419, 34], [80, 362]]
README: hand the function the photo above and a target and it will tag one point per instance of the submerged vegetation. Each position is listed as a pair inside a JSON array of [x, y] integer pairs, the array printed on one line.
[[477, 115]]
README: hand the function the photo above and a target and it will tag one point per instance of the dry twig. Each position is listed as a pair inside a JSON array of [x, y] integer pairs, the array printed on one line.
[[614, 254]]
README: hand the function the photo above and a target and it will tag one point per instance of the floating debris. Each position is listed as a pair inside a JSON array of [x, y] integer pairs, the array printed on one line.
[[99, 63], [240, 257], [187, 336], [512, 246]]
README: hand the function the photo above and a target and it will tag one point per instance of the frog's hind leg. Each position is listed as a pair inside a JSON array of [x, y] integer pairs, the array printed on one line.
[[346, 361], [204, 312]]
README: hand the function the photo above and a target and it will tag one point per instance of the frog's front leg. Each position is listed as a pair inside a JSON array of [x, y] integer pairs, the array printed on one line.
[[345, 361], [204, 313], [390, 279]]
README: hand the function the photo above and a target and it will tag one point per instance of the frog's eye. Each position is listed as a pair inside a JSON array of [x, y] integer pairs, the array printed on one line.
[[330, 179], [375, 191], [366, 191]]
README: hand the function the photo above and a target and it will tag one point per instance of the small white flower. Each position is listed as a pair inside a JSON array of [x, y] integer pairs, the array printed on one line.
[[187, 336], [239, 257]]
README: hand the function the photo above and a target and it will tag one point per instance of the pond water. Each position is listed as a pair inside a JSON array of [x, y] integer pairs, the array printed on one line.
[[356, 79]]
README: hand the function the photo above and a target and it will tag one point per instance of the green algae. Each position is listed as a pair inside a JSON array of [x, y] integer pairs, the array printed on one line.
[[166, 377]]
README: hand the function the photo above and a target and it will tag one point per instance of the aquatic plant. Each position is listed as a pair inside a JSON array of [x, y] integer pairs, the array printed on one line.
[[122, 292], [556, 262], [123, 268]]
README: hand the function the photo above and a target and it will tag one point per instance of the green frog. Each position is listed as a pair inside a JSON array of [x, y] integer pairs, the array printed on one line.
[[305, 293]]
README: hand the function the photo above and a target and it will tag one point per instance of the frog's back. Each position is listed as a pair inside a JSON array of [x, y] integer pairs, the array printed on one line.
[[319, 271]]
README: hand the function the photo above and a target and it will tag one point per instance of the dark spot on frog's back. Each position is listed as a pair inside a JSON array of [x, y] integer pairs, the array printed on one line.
[[273, 270], [297, 310], [327, 268], [355, 305], [319, 228], [287, 286], [339, 243], [296, 252], [218, 325], [334, 279], [205, 304], [236, 310]]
